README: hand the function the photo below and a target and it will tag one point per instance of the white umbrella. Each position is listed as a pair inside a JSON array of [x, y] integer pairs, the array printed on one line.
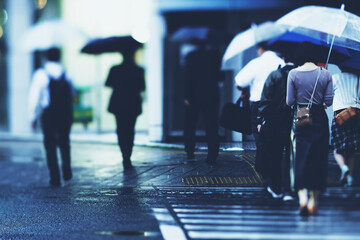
[[53, 33], [249, 38], [327, 25]]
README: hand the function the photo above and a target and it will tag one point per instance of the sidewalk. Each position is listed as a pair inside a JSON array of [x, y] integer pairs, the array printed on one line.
[[111, 138]]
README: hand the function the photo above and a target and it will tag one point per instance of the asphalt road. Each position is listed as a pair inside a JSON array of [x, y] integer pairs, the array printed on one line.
[[165, 197]]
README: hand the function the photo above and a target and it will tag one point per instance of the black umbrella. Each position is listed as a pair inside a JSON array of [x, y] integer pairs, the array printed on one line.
[[199, 35], [111, 44]]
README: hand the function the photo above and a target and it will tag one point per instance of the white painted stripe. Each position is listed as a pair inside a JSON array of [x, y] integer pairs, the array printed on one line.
[[256, 228], [168, 226], [244, 235], [249, 222], [225, 206], [237, 216], [171, 232], [239, 211]]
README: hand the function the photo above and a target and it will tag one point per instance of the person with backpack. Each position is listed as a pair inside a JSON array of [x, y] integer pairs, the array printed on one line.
[[51, 99], [274, 125]]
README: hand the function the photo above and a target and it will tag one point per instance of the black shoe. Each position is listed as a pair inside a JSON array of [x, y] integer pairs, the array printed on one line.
[[55, 184], [67, 175], [211, 161], [127, 165]]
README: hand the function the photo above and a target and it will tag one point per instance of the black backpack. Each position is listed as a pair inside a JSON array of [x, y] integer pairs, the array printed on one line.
[[61, 99]]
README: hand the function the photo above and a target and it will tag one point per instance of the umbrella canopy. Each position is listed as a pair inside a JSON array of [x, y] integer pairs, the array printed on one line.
[[111, 44], [199, 35], [53, 33], [288, 50], [322, 24], [249, 38]]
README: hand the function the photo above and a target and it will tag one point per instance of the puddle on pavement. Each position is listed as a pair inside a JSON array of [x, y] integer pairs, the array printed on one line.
[[128, 233]]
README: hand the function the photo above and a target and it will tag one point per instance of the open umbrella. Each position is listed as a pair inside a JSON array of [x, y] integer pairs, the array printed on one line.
[[249, 38], [199, 35], [111, 44], [323, 25], [52, 33]]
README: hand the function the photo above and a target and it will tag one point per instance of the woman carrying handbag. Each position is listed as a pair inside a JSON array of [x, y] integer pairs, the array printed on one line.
[[345, 127], [308, 88]]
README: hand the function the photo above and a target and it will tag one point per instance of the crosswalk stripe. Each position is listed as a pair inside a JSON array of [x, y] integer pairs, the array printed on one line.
[[253, 219]]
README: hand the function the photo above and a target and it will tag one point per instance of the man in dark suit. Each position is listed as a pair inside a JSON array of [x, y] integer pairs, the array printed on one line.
[[202, 73], [127, 81]]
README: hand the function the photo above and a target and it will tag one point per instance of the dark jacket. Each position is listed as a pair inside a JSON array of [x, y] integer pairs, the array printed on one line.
[[273, 98], [202, 75], [127, 81]]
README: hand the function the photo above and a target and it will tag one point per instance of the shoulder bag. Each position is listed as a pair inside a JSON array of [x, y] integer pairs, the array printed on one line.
[[303, 115], [348, 113]]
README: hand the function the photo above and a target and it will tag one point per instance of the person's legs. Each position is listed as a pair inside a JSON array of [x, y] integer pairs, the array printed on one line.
[[313, 202], [303, 201], [351, 163], [340, 159], [50, 148], [209, 114], [125, 132], [64, 144], [190, 121], [259, 161]]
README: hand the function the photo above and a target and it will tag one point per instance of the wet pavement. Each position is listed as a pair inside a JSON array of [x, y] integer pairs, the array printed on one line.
[[165, 197]]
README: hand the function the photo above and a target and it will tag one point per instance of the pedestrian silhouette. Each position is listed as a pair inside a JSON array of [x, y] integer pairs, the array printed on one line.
[[345, 138], [275, 119], [310, 86], [51, 98], [202, 74], [254, 75], [127, 81]]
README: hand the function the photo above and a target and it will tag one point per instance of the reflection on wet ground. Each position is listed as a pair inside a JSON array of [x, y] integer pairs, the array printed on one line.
[[165, 196]]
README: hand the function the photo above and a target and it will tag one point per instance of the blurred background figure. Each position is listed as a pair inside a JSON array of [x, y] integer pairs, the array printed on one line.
[[310, 86], [51, 99], [202, 75], [346, 138], [127, 81], [275, 119], [254, 75]]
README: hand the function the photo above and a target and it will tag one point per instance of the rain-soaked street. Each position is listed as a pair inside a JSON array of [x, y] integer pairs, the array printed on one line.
[[165, 197]]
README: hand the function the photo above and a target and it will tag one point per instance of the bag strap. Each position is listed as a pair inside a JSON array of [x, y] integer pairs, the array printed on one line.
[[312, 95]]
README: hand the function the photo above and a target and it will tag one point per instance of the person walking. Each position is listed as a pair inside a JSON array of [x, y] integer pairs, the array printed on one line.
[[310, 86], [202, 75], [345, 138], [51, 97], [275, 119], [127, 81], [254, 75]]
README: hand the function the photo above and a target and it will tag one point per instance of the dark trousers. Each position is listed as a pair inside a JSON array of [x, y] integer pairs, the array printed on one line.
[[56, 134], [209, 113], [125, 130], [259, 165], [275, 137]]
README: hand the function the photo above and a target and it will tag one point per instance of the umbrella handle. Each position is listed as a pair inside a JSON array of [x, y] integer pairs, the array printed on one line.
[[332, 41]]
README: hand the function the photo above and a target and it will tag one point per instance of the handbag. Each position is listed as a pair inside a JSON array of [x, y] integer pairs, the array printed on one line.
[[303, 115], [348, 113], [235, 117]]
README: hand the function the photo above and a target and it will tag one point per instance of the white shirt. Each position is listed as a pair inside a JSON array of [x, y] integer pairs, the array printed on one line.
[[345, 85], [39, 97], [255, 73]]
